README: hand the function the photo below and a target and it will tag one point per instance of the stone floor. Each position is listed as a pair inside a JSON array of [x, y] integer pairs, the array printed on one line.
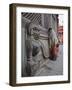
[[52, 67]]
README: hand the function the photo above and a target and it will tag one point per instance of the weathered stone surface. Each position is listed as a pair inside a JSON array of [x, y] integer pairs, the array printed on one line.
[[50, 67]]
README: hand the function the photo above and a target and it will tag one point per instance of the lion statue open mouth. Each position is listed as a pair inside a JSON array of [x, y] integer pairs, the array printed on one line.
[[40, 48]]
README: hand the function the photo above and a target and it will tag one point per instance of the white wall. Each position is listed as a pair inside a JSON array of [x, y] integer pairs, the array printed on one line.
[[4, 45]]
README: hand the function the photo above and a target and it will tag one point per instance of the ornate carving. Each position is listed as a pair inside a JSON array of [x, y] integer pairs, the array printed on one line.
[[36, 52]]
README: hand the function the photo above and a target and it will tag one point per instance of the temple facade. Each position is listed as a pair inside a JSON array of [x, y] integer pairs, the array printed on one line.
[[45, 20]]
